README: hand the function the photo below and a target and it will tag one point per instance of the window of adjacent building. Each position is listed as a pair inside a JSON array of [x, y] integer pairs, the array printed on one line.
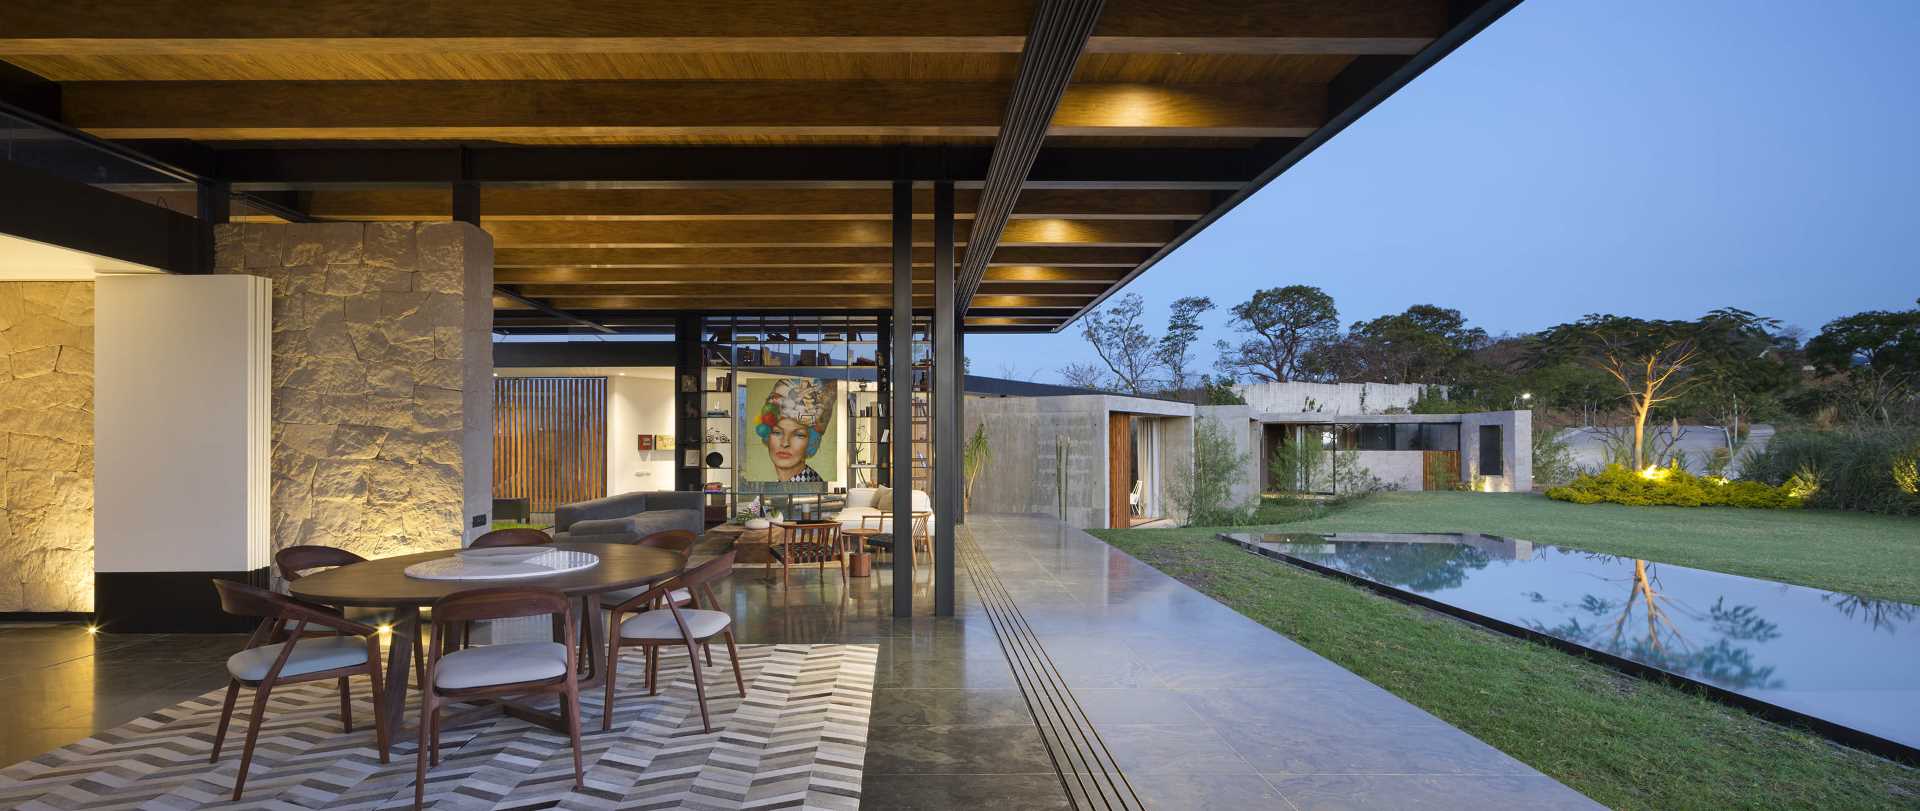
[[1405, 436], [1490, 457]]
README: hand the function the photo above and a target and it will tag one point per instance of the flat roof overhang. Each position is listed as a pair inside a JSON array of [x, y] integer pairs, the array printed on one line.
[[695, 158]]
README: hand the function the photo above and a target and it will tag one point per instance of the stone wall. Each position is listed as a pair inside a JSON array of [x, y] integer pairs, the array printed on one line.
[[46, 446], [382, 379]]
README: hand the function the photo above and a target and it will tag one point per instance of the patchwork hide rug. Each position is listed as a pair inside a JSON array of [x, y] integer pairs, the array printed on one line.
[[797, 740]]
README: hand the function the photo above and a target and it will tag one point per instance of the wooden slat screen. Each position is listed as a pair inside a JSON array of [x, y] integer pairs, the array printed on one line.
[[549, 439]]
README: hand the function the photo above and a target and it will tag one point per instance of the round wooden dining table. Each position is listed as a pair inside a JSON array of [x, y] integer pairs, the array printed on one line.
[[383, 583]]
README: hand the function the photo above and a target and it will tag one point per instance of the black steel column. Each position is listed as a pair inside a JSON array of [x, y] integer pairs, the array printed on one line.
[[946, 397], [214, 203], [466, 203], [960, 413], [883, 351], [900, 421], [687, 360]]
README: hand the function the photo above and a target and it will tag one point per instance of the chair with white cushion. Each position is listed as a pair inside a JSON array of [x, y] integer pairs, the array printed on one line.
[[495, 671], [640, 621], [349, 649], [677, 541]]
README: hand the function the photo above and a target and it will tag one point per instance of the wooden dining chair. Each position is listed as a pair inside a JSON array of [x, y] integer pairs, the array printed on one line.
[[296, 561], [652, 628], [920, 533], [496, 671], [353, 649], [518, 536], [677, 541], [807, 542]]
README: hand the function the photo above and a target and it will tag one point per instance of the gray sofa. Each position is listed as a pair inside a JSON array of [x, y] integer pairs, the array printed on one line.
[[628, 517]]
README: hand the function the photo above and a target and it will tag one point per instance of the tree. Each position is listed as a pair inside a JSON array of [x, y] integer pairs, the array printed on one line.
[[1650, 361], [1878, 349], [1281, 324], [1123, 343], [1085, 376], [1425, 344], [1183, 328]]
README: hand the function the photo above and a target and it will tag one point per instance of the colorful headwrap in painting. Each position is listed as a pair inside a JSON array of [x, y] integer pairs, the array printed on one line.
[[808, 402]]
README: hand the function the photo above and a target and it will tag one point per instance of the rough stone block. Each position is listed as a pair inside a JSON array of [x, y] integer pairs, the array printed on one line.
[[26, 452], [331, 243], [391, 245], [75, 361], [391, 380], [339, 479], [331, 375], [34, 362], [357, 442]]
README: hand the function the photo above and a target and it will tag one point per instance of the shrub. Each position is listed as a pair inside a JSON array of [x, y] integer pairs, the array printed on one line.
[[1869, 468], [1207, 496], [1553, 462], [1672, 487]]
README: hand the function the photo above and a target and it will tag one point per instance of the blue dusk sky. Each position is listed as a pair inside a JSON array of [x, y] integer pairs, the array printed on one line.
[[1650, 157]]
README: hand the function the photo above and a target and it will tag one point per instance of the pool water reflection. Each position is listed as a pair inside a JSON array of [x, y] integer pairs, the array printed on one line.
[[1839, 658]]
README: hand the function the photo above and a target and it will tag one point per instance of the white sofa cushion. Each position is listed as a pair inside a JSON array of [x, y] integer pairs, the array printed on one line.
[[311, 654], [660, 625], [501, 664], [861, 496], [866, 519]]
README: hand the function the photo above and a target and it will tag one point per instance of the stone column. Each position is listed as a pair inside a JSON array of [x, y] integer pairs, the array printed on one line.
[[382, 380]]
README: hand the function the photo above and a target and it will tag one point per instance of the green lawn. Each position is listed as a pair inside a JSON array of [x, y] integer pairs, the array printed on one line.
[[1625, 742], [1869, 555]]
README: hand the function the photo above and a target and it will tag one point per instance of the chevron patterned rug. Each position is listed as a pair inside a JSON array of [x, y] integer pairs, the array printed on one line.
[[797, 740]]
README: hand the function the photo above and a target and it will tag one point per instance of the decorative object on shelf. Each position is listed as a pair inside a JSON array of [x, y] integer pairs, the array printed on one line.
[[646, 442], [757, 523], [688, 385], [663, 442], [715, 437], [691, 459], [716, 460]]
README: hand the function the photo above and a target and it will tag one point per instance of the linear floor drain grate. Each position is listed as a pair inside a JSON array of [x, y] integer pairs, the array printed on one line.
[[1088, 772]]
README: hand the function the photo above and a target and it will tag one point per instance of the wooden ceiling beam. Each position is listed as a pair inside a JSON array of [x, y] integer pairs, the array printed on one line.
[[290, 27], [402, 110], [777, 300], [723, 287], [806, 233], [502, 204], [721, 258], [1015, 275]]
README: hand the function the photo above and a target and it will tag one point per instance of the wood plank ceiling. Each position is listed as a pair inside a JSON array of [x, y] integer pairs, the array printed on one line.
[[1203, 77]]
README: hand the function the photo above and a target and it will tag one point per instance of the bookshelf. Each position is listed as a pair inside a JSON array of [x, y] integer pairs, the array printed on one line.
[[845, 348]]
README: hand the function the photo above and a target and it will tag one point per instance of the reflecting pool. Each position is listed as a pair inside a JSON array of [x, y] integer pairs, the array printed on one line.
[[1840, 658]]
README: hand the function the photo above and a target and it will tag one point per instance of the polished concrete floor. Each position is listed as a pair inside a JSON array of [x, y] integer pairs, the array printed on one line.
[[1198, 706]]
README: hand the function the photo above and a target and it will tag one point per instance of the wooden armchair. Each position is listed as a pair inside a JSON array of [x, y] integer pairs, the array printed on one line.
[[352, 649], [807, 542]]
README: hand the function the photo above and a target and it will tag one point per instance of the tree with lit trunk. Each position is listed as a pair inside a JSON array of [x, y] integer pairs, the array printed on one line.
[[1651, 361]]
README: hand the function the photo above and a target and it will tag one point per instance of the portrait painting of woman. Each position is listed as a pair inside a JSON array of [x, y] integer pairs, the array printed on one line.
[[795, 426]]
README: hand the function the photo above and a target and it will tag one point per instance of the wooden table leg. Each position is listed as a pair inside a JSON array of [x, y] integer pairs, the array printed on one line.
[[406, 620], [596, 632]]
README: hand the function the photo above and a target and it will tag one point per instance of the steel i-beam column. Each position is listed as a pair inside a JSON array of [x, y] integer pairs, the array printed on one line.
[[900, 420], [946, 400]]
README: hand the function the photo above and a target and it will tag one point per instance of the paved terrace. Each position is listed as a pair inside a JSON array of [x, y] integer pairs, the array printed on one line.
[[1066, 657]]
